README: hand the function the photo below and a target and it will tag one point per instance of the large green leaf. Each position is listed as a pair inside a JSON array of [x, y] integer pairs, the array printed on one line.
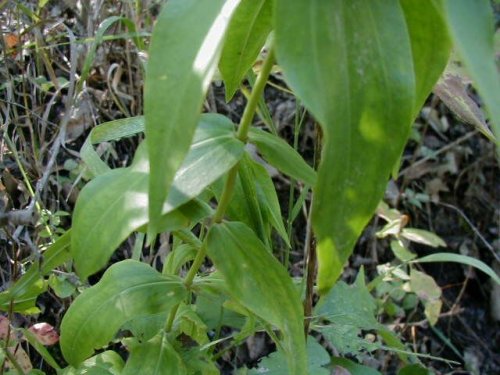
[[115, 204], [247, 33], [127, 290], [184, 51], [279, 154], [260, 283], [351, 64], [154, 357], [472, 30], [430, 46]]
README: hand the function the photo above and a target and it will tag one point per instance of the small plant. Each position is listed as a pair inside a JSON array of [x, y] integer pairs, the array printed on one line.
[[363, 69]]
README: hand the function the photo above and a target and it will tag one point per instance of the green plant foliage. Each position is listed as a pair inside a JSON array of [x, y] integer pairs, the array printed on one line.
[[127, 290], [109, 131], [345, 311], [475, 46], [458, 258], [115, 204], [105, 363], [364, 104], [276, 363], [30, 285], [430, 45], [156, 356], [236, 251], [172, 116], [353, 368], [246, 35], [280, 155]]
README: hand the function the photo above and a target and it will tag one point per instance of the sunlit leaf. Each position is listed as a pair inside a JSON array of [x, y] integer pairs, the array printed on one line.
[[127, 290], [184, 51], [115, 204], [266, 289], [351, 64], [247, 33], [423, 236]]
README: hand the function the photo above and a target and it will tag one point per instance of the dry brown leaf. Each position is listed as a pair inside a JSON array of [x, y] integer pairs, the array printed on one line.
[[45, 333], [452, 90]]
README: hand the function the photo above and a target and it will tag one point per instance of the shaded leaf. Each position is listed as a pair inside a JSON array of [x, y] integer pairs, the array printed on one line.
[[471, 28], [401, 252], [127, 290], [184, 51], [105, 363], [154, 357], [424, 286], [414, 370], [457, 258], [280, 155], [246, 35], [276, 363], [353, 367], [351, 64], [266, 290], [453, 92]]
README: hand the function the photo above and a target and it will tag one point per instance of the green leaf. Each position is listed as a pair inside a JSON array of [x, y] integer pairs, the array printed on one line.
[[105, 363], [30, 285], [115, 204], [127, 290], [457, 258], [430, 46], [414, 370], [424, 286], [423, 236], [268, 199], [177, 258], [276, 364], [353, 367], [349, 309], [109, 131], [260, 283], [280, 155], [154, 357], [401, 252], [471, 28], [246, 35], [351, 64], [184, 51]]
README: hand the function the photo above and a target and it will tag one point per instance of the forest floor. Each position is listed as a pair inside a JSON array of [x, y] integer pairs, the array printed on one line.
[[448, 183]]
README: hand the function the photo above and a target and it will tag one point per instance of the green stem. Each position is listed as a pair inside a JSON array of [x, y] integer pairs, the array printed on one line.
[[260, 84], [242, 135], [227, 193]]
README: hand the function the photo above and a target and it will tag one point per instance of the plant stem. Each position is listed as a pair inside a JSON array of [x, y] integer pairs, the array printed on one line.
[[242, 135], [227, 193], [260, 84]]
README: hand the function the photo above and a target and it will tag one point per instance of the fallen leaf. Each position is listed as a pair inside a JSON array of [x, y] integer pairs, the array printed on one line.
[[45, 333]]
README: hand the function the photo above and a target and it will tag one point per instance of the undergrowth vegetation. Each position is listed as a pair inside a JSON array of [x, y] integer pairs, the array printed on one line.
[[185, 181]]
